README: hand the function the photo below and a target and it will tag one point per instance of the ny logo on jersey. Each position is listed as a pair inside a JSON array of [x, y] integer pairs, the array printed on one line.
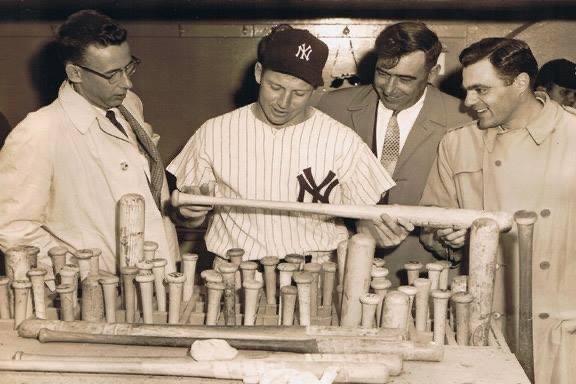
[[308, 184], [304, 52]]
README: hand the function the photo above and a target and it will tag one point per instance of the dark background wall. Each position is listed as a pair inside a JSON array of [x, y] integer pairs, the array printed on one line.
[[198, 56]]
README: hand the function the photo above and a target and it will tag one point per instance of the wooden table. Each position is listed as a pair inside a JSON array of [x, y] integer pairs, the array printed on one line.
[[461, 365]]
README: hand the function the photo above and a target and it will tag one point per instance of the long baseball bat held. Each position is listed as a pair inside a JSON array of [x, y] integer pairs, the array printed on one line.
[[434, 217]]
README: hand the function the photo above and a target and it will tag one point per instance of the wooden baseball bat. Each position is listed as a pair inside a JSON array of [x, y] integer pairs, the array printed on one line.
[[251, 289], [175, 282], [392, 361], [234, 256], [21, 293], [380, 288], [395, 311], [440, 298], [83, 257], [189, 261], [66, 292], [329, 275], [434, 217], [421, 299], [444, 274], [228, 271], [303, 282], [369, 303], [215, 291], [525, 222], [269, 263], [4, 298], [411, 291], [150, 248], [288, 300], [484, 238], [434, 270], [36, 276], [261, 339], [357, 278], [129, 292], [69, 274], [314, 269], [146, 283], [355, 372], [130, 229], [92, 299], [462, 302], [109, 284], [58, 256], [159, 271]]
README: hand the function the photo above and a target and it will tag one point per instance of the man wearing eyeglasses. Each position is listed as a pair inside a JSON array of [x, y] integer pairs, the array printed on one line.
[[64, 167]]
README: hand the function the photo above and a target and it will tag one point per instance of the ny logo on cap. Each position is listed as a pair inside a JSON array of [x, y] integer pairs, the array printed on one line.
[[304, 52]]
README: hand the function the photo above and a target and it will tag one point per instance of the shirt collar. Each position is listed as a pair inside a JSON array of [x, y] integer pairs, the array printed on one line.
[[539, 128], [545, 123], [413, 108]]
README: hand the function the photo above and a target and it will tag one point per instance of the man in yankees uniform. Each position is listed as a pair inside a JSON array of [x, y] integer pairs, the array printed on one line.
[[280, 148]]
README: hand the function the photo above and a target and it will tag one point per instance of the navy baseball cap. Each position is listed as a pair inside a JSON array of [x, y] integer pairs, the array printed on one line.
[[294, 52]]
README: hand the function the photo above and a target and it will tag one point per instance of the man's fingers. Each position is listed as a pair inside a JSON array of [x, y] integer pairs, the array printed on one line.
[[406, 224], [194, 211], [389, 223], [461, 233]]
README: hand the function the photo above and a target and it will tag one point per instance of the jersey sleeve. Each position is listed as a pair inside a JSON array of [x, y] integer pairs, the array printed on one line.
[[192, 166], [364, 180]]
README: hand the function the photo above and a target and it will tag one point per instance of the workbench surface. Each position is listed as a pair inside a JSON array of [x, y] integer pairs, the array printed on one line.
[[461, 365]]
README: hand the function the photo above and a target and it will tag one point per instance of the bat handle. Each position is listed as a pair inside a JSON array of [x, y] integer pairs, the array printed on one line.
[[525, 222]]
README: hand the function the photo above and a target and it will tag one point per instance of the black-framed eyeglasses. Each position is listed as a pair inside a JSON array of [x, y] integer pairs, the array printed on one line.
[[115, 76]]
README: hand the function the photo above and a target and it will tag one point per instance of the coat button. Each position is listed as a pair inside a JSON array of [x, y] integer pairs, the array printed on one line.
[[543, 315], [124, 165], [498, 163], [544, 265], [545, 213]]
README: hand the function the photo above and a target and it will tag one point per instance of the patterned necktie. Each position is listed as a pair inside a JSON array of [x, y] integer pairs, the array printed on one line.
[[391, 147], [149, 149]]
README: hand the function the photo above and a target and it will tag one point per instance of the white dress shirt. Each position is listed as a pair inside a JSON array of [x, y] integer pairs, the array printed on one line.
[[406, 119]]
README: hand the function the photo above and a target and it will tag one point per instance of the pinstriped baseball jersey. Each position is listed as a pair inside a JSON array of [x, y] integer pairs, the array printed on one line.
[[318, 160]]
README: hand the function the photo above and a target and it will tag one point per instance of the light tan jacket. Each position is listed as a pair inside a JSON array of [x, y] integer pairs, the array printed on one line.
[[62, 171], [533, 169]]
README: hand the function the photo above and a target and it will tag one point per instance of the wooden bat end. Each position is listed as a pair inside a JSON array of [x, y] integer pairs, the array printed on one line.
[[525, 217]]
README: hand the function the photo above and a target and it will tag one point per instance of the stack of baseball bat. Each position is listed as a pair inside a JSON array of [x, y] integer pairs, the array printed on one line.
[[343, 306]]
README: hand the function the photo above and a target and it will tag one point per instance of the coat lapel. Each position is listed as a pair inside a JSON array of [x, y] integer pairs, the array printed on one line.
[[429, 119], [363, 112]]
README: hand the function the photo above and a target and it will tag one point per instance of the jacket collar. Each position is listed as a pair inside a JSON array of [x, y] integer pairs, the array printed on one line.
[[366, 96], [82, 114], [538, 129], [76, 107]]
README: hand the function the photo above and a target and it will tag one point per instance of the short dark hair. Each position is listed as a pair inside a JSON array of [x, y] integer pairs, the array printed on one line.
[[510, 57], [85, 28], [561, 72], [406, 37]]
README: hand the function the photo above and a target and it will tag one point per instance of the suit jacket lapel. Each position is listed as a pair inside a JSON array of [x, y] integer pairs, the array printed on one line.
[[429, 118], [363, 111]]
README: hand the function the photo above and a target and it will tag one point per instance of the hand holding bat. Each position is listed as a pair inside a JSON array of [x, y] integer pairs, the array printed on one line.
[[194, 215], [386, 231]]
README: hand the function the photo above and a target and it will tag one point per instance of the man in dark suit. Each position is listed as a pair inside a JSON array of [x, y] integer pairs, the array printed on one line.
[[402, 118]]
